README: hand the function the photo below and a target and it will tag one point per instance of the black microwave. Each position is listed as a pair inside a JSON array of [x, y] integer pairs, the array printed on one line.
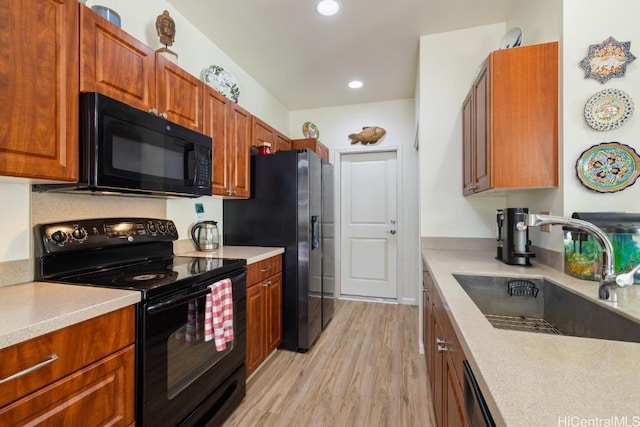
[[124, 150]]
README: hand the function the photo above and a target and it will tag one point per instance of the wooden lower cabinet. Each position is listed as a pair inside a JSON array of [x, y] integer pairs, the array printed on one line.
[[89, 381], [264, 310], [444, 358]]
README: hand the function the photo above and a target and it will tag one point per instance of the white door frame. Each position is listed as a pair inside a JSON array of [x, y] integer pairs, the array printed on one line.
[[339, 153]]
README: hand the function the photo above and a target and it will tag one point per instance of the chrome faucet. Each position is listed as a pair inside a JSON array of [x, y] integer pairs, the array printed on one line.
[[608, 277]]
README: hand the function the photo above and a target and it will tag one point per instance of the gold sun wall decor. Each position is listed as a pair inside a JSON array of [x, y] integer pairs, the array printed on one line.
[[607, 60]]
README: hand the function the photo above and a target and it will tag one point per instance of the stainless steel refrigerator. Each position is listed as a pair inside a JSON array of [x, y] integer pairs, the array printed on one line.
[[290, 192]]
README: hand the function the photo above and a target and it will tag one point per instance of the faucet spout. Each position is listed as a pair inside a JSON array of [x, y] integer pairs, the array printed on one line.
[[608, 277]]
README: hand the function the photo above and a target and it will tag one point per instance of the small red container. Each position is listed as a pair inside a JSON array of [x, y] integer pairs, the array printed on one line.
[[265, 148]]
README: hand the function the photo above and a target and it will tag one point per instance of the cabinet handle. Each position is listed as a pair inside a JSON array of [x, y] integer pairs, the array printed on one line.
[[35, 367], [441, 345], [266, 284], [264, 270]]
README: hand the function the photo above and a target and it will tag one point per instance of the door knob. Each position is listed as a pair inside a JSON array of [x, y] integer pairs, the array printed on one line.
[[391, 231]]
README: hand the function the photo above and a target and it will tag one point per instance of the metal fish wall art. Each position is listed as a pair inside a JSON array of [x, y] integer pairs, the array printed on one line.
[[369, 135]]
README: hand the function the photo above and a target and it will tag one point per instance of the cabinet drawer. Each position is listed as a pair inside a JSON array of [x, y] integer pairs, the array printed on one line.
[[68, 350], [262, 269], [101, 394]]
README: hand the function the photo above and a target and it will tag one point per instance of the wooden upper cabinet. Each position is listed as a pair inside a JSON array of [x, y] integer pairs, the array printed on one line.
[[238, 151], [114, 63], [178, 94], [262, 133], [117, 65], [510, 121], [282, 142], [216, 118], [39, 85], [312, 144]]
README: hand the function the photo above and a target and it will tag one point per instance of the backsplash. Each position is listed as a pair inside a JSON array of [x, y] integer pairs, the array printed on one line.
[[52, 207]]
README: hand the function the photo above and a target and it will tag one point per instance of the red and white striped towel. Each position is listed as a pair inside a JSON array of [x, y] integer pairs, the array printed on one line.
[[218, 317]]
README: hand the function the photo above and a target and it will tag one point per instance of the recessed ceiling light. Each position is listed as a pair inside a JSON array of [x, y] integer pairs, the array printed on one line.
[[328, 7], [355, 84]]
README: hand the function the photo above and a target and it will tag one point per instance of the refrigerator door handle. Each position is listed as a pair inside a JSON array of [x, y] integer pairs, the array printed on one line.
[[315, 235]]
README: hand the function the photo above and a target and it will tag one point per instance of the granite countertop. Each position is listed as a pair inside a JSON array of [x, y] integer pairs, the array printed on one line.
[[531, 379], [29, 310], [252, 254]]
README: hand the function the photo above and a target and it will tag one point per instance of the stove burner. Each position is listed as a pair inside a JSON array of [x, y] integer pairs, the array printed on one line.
[[145, 277]]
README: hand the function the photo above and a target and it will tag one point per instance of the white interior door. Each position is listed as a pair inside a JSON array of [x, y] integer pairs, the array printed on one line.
[[369, 249]]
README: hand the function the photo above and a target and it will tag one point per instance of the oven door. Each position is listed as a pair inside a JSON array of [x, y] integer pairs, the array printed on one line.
[[177, 369]]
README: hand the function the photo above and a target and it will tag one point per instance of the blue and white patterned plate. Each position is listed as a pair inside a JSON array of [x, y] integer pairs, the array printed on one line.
[[608, 109], [608, 167]]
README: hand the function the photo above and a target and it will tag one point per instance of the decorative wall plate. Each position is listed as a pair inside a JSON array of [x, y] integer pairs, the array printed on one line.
[[607, 59], [222, 81], [310, 130], [608, 109], [512, 38], [608, 167]]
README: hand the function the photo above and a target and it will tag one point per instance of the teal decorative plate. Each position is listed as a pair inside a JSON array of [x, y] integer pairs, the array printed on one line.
[[608, 167]]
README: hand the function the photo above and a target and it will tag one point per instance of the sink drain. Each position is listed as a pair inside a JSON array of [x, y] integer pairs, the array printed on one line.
[[521, 323]]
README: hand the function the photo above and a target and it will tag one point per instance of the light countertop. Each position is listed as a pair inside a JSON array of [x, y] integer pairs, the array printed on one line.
[[252, 254], [32, 309], [28, 310], [531, 379]]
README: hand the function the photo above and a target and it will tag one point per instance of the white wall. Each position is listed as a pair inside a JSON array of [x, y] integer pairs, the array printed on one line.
[[448, 63], [591, 22], [398, 119]]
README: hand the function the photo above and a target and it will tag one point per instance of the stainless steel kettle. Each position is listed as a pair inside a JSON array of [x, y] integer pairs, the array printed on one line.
[[205, 235]]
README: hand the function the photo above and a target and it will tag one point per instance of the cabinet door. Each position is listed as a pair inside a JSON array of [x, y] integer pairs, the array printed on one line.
[[262, 133], [215, 125], [239, 135], [273, 292], [178, 94], [437, 386], [115, 63], [282, 142], [101, 394], [454, 398], [481, 148], [468, 140], [39, 84], [255, 327]]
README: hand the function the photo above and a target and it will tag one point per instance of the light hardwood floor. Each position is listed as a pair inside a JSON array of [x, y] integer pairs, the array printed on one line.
[[364, 370]]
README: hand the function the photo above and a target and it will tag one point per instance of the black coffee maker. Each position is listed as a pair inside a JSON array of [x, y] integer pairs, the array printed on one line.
[[513, 244]]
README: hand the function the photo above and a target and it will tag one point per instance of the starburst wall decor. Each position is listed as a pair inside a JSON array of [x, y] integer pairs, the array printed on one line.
[[607, 60]]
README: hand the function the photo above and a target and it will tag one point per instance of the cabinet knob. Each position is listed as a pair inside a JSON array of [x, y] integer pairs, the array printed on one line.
[[267, 284], [163, 115], [154, 111], [441, 345]]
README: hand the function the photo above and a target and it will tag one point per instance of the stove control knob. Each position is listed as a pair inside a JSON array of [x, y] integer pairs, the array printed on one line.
[[162, 228], [59, 237], [79, 234], [152, 227], [172, 228]]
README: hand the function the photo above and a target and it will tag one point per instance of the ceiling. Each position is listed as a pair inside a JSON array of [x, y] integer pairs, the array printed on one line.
[[306, 60]]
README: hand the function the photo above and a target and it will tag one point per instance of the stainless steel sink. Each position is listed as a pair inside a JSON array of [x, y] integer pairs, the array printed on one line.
[[538, 305]]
